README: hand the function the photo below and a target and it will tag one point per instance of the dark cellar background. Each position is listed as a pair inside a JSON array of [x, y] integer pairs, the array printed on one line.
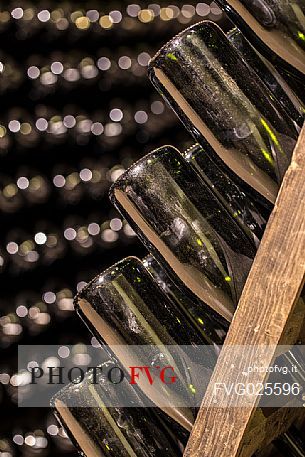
[[76, 110]]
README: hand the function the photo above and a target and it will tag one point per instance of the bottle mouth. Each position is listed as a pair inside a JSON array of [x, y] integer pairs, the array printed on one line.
[[139, 167], [107, 275], [177, 38]]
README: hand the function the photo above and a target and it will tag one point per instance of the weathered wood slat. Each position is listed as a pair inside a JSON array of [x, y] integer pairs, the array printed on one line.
[[264, 318]]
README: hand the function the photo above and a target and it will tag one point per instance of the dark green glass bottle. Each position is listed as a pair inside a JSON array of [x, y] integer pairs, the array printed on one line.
[[97, 429], [214, 332], [125, 309], [221, 99], [187, 229], [250, 210], [291, 98], [276, 28]]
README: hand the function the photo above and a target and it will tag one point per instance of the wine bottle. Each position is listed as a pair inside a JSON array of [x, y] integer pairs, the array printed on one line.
[[214, 331], [290, 100], [277, 29], [97, 429], [124, 308], [219, 97], [187, 229], [128, 298], [240, 200], [109, 308]]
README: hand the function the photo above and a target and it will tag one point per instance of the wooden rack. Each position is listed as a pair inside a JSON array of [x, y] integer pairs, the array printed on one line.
[[270, 312]]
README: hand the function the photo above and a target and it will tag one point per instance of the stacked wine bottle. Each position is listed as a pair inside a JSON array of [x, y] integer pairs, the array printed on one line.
[[201, 214]]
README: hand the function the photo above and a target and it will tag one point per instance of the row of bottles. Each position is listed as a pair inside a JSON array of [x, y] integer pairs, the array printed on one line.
[[201, 214], [130, 305]]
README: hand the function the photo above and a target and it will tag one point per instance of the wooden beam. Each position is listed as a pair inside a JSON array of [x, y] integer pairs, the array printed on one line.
[[266, 306]]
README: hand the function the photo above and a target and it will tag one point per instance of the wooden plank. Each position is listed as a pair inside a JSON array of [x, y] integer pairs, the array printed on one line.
[[268, 300]]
